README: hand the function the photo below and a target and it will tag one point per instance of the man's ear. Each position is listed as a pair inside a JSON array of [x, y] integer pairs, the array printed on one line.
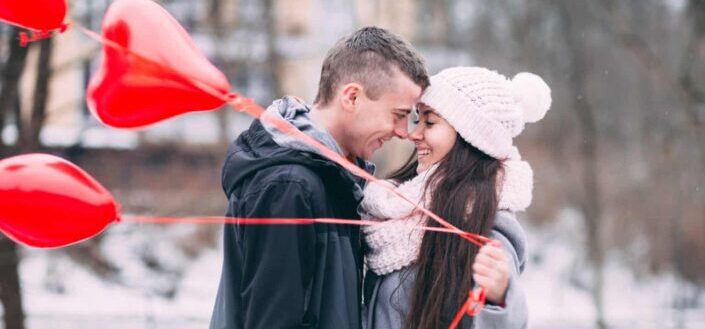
[[350, 96]]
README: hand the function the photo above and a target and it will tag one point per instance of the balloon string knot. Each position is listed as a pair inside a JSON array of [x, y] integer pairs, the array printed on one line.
[[26, 37]]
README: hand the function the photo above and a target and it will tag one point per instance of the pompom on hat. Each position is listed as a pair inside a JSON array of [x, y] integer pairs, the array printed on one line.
[[488, 110], [533, 95]]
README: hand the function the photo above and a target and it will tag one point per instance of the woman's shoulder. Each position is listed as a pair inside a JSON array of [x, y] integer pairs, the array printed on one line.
[[507, 221], [509, 231]]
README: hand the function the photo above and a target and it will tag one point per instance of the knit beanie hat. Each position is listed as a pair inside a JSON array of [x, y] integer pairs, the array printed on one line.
[[488, 110]]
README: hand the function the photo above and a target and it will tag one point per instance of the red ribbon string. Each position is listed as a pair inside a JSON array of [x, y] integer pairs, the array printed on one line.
[[473, 305], [277, 221], [249, 106]]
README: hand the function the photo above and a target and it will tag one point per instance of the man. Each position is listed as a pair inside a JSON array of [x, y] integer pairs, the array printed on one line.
[[309, 276]]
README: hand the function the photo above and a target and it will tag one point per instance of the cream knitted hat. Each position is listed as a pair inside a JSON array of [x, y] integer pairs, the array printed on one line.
[[488, 110]]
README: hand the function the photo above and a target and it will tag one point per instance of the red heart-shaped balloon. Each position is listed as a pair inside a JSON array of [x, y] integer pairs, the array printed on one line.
[[48, 202], [156, 72], [41, 15]]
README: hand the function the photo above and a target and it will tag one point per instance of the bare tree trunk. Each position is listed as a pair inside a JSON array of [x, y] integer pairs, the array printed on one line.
[[215, 20], [10, 78], [689, 75], [41, 96], [19, 124], [274, 65], [591, 206], [10, 290], [590, 203]]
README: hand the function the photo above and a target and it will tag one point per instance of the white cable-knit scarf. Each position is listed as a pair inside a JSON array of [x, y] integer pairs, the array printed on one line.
[[394, 243]]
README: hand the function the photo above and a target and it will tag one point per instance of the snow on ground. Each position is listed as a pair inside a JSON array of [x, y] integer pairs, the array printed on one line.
[[134, 299], [552, 282], [557, 277], [88, 301]]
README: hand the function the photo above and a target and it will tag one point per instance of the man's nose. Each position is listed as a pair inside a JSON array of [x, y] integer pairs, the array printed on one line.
[[401, 129]]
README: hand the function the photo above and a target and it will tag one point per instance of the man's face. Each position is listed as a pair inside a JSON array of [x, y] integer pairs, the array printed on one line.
[[377, 121]]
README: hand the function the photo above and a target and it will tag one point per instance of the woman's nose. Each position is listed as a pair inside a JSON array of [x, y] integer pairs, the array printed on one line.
[[417, 134]]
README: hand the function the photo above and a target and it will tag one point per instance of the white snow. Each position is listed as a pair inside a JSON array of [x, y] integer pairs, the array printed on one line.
[[104, 137], [9, 135]]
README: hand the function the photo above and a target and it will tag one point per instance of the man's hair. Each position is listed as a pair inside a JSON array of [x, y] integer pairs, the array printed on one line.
[[369, 57]]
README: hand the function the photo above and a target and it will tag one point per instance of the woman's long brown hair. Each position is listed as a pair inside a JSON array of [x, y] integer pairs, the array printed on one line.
[[466, 179]]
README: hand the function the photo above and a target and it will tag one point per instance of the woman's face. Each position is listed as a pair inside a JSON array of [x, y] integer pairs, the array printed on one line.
[[433, 136]]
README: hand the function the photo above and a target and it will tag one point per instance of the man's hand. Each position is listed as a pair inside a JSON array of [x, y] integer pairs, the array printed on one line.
[[491, 272]]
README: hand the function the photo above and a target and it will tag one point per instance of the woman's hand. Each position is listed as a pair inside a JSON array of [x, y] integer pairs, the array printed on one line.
[[491, 272]]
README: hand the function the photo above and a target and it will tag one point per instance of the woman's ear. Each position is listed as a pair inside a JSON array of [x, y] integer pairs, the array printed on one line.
[[350, 96]]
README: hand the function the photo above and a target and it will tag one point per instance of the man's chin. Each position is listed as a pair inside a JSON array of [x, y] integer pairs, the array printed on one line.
[[366, 154], [369, 153]]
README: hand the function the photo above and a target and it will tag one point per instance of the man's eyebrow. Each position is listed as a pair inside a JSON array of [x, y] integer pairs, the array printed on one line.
[[407, 111]]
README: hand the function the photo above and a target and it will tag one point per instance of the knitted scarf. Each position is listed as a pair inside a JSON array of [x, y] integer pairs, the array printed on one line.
[[395, 243]]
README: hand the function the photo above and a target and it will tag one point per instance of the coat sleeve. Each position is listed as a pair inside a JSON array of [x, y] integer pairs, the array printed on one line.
[[277, 259], [515, 313]]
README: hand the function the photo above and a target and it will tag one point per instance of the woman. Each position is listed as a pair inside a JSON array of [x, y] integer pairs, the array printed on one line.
[[466, 170]]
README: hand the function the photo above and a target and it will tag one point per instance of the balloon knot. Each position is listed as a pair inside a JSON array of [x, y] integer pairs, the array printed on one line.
[[27, 38]]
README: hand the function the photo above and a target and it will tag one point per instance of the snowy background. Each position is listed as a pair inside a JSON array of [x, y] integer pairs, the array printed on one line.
[[60, 294]]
